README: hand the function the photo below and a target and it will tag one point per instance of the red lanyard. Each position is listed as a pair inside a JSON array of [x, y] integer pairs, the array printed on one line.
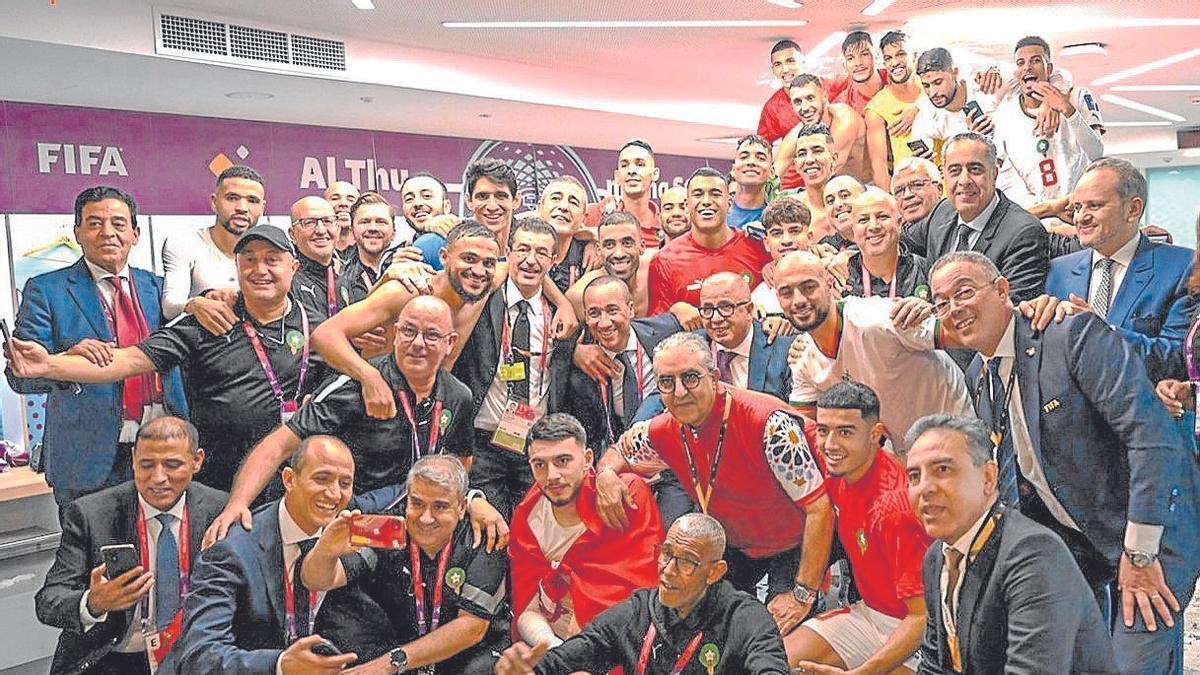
[[704, 493], [330, 295], [434, 427], [506, 343], [439, 582], [866, 278], [276, 388], [185, 555], [648, 645], [289, 599]]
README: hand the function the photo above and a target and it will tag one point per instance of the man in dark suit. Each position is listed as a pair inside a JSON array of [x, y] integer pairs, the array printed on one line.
[[514, 366], [1002, 594], [90, 428], [608, 407], [248, 613], [975, 216], [1085, 449], [1136, 285], [101, 613]]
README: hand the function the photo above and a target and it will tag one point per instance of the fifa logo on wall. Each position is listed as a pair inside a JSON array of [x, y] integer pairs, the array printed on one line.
[[535, 165]]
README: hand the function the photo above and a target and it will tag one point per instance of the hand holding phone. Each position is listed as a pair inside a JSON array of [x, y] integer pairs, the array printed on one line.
[[972, 110], [118, 559], [325, 648], [4, 332], [378, 531]]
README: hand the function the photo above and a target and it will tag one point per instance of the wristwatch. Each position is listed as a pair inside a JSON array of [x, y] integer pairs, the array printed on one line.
[[803, 594], [1140, 559], [399, 660]]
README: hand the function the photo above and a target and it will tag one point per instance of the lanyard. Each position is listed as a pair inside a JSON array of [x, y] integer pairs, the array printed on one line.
[[330, 295], [866, 278], [419, 586], [289, 599], [185, 555], [704, 493], [648, 645], [1190, 352], [434, 428], [252, 334], [950, 622], [506, 345], [998, 416]]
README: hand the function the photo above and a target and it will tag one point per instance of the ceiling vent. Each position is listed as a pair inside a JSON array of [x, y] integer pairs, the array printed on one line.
[[211, 39]]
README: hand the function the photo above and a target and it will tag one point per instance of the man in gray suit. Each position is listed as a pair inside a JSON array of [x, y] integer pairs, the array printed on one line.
[[1002, 593]]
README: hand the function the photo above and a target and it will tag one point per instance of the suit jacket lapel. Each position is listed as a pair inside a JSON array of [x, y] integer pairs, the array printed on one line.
[[1081, 276], [978, 572], [992, 225], [1139, 274], [266, 529], [1028, 362], [82, 289], [496, 310], [757, 375], [147, 297]]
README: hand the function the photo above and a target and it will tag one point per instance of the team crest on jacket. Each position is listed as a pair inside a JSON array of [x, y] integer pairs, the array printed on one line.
[[861, 537]]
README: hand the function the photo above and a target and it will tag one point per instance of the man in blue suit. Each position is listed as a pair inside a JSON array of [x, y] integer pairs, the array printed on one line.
[[248, 610], [1085, 449], [1139, 287], [91, 428]]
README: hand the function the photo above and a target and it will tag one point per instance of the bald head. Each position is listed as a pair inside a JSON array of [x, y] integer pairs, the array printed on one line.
[[432, 308], [425, 337], [703, 531], [805, 289], [314, 228], [734, 283], [800, 261], [310, 207], [840, 191], [342, 196], [875, 221], [725, 308]]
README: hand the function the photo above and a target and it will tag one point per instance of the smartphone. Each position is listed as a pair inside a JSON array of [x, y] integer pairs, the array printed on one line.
[[972, 109], [325, 648], [378, 531], [7, 335], [755, 230], [918, 147], [118, 559]]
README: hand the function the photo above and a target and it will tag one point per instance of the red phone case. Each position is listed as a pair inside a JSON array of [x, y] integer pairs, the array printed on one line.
[[378, 531]]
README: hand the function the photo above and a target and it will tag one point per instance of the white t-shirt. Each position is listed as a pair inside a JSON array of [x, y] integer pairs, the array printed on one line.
[[554, 540], [1068, 151], [765, 301], [192, 263], [903, 367]]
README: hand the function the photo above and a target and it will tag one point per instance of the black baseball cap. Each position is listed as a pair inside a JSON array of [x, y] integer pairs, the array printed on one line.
[[268, 233]]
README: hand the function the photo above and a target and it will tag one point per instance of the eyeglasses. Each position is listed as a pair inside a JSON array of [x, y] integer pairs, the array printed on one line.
[[691, 380], [310, 223], [409, 332], [913, 187], [525, 252], [963, 295], [686, 566], [726, 309]]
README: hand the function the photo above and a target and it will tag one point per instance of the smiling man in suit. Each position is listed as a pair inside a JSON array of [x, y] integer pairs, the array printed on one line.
[[1084, 449], [102, 614], [1136, 285], [90, 428], [1002, 594]]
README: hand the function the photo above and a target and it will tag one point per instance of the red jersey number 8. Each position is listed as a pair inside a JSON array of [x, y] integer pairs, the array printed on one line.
[[1049, 172]]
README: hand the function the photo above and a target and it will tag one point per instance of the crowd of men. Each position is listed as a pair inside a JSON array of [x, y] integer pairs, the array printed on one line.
[[923, 341]]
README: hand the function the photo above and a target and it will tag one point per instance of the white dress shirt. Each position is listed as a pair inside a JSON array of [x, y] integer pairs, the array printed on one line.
[[1122, 259], [739, 365], [963, 546], [977, 224], [647, 375], [192, 264], [291, 535], [497, 395], [133, 641]]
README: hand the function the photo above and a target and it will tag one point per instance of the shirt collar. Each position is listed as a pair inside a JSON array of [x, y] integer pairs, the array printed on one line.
[[289, 531], [963, 543], [984, 216], [1123, 256], [1007, 345], [630, 344], [177, 510], [742, 348], [512, 295], [100, 274]]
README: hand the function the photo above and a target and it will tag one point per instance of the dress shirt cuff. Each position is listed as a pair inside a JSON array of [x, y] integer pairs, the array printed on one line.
[[1143, 538], [85, 617], [279, 664], [474, 494]]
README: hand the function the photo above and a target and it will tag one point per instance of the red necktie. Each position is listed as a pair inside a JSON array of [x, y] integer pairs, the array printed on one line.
[[135, 393]]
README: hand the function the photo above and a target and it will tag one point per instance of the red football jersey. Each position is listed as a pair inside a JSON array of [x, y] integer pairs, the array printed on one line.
[[682, 265]]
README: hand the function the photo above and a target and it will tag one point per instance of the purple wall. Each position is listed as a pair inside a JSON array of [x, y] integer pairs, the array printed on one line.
[[169, 162]]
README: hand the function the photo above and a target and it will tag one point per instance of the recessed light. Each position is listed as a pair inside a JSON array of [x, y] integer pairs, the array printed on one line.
[[1143, 123], [1146, 67], [1156, 87], [1141, 107], [876, 8], [249, 95], [829, 42], [1173, 172], [1083, 48], [699, 23], [364, 4]]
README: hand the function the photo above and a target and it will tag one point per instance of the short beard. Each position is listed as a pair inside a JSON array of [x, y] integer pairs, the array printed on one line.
[[228, 228], [819, 316], [463, 292], [565, 502]]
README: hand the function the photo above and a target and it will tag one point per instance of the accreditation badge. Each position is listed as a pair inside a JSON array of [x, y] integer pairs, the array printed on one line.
[[159, 642], [513, 430], [512, 372]]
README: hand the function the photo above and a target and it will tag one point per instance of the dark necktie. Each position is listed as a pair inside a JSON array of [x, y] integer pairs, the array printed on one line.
[[1006, 457], [629, 388], [953, 557], [1104, 288], [520, 351], [135, 391], [299, 590], [166, 574], [964, 238], [725, 365]]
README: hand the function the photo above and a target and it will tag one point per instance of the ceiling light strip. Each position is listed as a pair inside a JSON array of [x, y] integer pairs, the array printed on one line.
[[1141, 107], [1156, 87], [696, 23], [1146, 67], [830, 41], [876, 8]]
